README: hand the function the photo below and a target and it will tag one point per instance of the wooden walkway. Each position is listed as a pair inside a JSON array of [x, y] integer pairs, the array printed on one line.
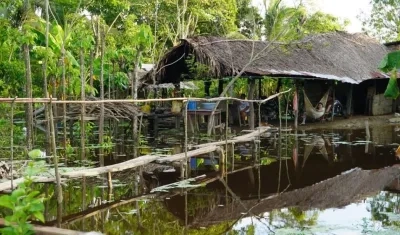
[[143, 160], [146, 159], [43, 230]]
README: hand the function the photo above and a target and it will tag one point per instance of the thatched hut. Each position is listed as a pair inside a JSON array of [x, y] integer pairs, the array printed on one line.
[[336, 57]]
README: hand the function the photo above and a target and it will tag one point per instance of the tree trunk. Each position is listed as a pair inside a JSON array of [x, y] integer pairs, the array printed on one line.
[[28, 86], [83, 83], [56, 171], [134, 93], [91, 68], [46, 93], [101, 121], [29, 106]]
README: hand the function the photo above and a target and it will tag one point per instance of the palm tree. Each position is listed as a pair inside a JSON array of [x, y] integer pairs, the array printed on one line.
[[277, 23]]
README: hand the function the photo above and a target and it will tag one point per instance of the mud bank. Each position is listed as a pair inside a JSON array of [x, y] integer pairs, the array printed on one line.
[[354, 122]]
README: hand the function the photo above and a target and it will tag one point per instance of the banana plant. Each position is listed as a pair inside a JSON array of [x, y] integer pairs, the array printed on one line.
[[391, 64]]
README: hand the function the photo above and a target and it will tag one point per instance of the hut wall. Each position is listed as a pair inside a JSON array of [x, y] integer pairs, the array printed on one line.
[[381, 105], [393, 46]]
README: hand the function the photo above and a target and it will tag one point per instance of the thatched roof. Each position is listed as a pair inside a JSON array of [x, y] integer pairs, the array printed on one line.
[[114, 111], [350, 58]]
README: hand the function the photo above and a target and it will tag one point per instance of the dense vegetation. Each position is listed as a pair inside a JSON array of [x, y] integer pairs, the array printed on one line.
[[70, 49]]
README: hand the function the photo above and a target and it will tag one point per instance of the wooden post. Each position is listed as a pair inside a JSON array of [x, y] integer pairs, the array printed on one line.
[[222, 160], [101, 118], [296, 110], [333, 102], [259, 88], [110, 186], [252, 86], [207, 85], [56, 171], [83, 110], [220, 86], [349, 100]]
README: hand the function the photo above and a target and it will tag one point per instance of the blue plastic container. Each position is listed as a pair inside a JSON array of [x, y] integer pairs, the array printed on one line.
[[192, 105], [208, 106]]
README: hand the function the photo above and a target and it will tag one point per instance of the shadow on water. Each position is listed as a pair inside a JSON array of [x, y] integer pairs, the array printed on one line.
[[321, 181]]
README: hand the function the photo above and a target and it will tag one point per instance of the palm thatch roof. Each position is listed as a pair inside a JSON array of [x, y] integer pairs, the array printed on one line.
[[350, 58]]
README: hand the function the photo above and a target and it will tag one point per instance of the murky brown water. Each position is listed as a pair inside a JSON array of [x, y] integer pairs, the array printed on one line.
[[247, 200]]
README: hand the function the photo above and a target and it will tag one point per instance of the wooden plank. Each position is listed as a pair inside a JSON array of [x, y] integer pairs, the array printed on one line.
[[192, 153], [7, 184], [242, 138], [42, 230], [140, 161], [143, 160]]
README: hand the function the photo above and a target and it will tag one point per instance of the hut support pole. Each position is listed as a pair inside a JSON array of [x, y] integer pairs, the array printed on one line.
[[349, 100], [207, 85], [220, 86], [296, 109], [333, 101], [252, 86], [259, 88]]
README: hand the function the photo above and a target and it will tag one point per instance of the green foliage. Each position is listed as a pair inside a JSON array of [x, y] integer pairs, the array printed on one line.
[[284, 23], [198, 70], [24, 203], [248, 19], [89, 126], [107, 144], [391, 63], [384, 20]]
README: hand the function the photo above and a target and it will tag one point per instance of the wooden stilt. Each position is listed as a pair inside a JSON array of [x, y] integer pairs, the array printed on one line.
[[349, 100], [252, 86], [296, 111], [220, 86], [333, 102], [110, 185]]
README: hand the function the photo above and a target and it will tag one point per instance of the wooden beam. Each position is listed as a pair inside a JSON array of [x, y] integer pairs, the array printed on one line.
[[193, 153], [242, 138], [140, 161], [42, 230], [7, 184]]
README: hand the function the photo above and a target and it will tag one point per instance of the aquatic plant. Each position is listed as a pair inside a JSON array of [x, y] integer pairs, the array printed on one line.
[[24, 202]]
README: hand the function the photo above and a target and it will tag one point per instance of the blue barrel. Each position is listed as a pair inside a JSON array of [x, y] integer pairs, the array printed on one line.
[[192, 105]]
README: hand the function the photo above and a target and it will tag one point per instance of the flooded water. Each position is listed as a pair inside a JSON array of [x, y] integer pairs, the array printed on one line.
[[313, 182]]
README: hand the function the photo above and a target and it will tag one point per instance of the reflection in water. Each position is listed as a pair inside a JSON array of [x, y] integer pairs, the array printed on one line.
[[293, 163]]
